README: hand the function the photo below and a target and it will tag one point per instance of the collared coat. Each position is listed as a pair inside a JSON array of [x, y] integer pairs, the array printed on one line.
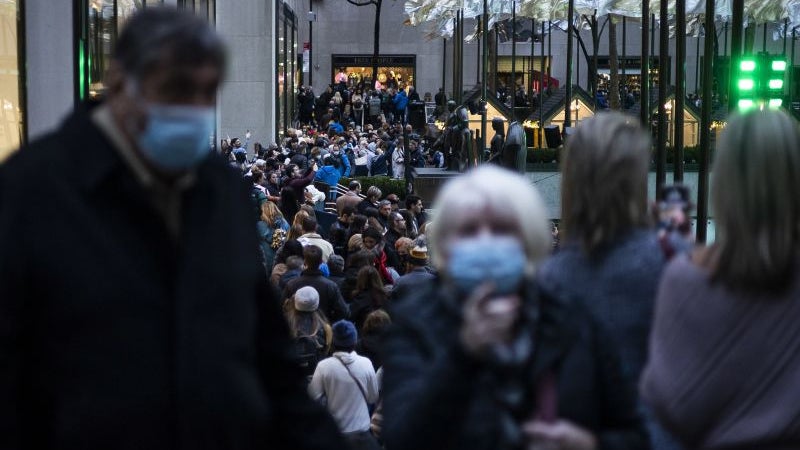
[[115, 334]]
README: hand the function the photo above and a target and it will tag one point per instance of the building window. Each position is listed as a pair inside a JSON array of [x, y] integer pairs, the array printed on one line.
[[356, 70], [286, 67], [98, 24], [203, 8], [12, 77]]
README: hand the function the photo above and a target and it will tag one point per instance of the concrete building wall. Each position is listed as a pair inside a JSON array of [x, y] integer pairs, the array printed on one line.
[[50, 61], [246, 99]]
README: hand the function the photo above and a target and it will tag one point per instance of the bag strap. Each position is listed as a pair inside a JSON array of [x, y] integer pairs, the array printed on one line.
[[360, 388]]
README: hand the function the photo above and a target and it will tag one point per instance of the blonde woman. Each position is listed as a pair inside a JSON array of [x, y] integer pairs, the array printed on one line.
[[296, 230], [724, 358], [272, 228], [610, 257]]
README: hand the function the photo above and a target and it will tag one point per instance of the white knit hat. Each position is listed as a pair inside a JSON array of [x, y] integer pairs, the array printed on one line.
[[306, 299]]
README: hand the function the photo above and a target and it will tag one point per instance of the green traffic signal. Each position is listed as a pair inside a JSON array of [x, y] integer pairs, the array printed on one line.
[[747, 65], [779, 65], [745, 104], [746, 84]]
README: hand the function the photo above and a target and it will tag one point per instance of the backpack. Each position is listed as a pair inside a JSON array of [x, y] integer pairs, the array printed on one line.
[[257, 197], [309, 351]]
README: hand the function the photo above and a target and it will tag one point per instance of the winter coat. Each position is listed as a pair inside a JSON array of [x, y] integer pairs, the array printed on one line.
[[436, 396], [331, 302], [146, 338]]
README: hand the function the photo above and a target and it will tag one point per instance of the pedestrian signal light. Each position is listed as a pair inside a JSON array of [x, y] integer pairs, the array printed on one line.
[[760, 81], [746, 84], [745, 104]]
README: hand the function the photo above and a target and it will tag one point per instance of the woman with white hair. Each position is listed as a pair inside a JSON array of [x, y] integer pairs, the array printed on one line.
[[724, 363], [481, 357]]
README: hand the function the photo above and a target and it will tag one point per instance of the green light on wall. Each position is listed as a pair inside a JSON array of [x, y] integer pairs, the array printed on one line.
[[747, 65], [775, 103], [81, 71], [745, 104], [746, 84], [776, 84], [779, 66]]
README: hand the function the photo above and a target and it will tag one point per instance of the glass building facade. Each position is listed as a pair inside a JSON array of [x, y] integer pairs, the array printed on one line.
[[12, 76], [286, 65]]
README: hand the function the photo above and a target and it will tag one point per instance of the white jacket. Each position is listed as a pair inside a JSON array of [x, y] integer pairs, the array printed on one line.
[[331, 384]]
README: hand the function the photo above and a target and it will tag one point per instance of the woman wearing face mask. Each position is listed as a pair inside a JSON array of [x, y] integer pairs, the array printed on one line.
[[484, 358]]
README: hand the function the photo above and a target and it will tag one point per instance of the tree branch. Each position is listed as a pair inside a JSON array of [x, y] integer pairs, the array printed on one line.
[[604, 26], [580, 41]]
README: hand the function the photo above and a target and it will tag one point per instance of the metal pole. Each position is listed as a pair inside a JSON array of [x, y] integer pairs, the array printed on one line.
[[444, 71], [461, 56], [513, 60], [570, 14], [485, 39], [725, 34], [644, 101], [791, 69], [663, 70], [680, 88], [737, 24], [549, 49], [311, 45], [496, 51], [764, 39], [705, 125], [530, 68], [785, 34], [624, 57], [697, 65], [541, 90], [455, 59]]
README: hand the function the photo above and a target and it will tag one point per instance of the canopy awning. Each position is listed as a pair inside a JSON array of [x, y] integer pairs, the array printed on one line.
[[442, 12]]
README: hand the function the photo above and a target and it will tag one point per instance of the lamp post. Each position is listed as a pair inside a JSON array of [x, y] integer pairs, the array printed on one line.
[[485, 39]]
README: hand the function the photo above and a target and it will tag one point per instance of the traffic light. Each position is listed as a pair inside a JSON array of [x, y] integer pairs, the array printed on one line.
[[760, 81], [775, 83]]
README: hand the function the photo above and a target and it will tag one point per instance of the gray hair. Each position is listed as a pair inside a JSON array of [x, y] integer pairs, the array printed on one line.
[[374, 192], [163, 35], [604, 180], [496, 191], [756, 206]]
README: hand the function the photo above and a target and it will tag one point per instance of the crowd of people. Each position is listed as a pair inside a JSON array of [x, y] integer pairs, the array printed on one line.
[[160, 302]]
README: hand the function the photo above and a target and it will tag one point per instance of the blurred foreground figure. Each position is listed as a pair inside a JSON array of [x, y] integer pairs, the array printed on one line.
[[611, 258], [483, 357], [724, 360], [133, 311]]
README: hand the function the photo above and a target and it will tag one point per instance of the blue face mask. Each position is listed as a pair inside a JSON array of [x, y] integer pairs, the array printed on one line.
[[177, 137], [497, 259]]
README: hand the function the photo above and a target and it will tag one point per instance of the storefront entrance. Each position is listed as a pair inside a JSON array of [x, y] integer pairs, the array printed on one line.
[[356, 70]]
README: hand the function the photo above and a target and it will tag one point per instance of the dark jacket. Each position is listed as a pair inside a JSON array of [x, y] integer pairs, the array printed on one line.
[[298, 185], [331, 302], [114, 334], [364, 303], [438, 397]]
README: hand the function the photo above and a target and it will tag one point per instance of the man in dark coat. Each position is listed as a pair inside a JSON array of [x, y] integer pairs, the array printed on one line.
[[331, 302], [134, 312]]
